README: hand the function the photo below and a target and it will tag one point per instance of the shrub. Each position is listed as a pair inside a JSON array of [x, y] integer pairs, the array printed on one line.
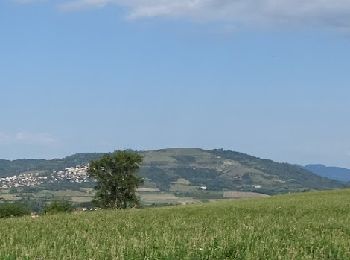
[[8, 210], [58, 207]]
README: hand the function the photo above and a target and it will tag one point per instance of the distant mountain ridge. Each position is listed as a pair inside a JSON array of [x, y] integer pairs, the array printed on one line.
[[9, 168], [333, 173], [216, 169]]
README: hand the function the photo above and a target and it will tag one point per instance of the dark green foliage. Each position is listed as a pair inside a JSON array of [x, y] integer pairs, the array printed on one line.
[[33, 204], [116, 179], [13, 190], [87, 205], [61, 206], [246, 179], [8, 210], [162, 178]]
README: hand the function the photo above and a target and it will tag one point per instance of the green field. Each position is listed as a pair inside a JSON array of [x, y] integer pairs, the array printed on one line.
[[302, 226]]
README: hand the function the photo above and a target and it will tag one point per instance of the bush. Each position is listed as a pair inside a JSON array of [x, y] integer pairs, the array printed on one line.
[[58, 207], [8, 210]]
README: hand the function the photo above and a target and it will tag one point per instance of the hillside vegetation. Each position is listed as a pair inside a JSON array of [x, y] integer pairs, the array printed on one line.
[[220, 169], [303, 226], [217, 170]]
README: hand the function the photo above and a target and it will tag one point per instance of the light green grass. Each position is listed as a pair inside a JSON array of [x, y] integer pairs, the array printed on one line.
[[10, 197], [183, 188], [83, 199], [148, 198], [303, 226]]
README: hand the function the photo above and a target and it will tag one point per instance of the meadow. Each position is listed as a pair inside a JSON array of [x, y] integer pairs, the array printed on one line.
[[313, 225]]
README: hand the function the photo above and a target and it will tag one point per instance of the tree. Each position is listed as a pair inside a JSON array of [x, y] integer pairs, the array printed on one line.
[[56, 207], [116, 179], [13, 210]]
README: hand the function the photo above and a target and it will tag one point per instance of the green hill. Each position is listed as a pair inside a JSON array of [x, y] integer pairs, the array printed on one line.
[[220, 169], [186, 170], [303, 226], [10, 168]]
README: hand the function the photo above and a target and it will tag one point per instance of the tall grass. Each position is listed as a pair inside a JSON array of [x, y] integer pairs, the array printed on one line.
[[304, 226]]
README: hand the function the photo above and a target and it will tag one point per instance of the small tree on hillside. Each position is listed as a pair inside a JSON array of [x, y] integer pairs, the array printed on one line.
[[57, 206], [116, 179]]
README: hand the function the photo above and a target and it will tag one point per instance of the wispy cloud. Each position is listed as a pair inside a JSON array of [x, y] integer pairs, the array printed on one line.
[[27, 138], [335, 13], [84, 4], [28, 1]]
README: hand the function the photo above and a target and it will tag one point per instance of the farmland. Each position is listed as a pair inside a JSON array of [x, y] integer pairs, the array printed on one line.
[[300, 226], [147, 196], [181, 192], [170, 177], [172, 170]]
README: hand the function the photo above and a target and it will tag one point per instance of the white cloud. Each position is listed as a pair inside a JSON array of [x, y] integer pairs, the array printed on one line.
[[27, 138], [83, 4], [328, 13]]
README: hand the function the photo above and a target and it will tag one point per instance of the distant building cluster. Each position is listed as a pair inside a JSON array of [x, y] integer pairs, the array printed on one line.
[[76, 174], [22, 180]]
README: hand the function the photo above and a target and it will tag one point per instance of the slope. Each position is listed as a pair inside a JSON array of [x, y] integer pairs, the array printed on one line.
[[334, 173], [304, 226]]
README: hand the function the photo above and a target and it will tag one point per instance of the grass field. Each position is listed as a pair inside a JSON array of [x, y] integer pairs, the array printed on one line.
[[148, 198], [303, 226]]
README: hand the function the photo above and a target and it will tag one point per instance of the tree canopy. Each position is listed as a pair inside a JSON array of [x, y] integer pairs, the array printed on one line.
[[58, 207], [117, 180], [13, 210]]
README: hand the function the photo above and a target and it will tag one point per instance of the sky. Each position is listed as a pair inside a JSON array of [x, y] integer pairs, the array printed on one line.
[[264, 77]]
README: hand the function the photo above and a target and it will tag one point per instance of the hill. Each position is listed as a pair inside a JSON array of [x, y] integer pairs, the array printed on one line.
[[10, 168], [334, 173], [186, 170], [219, 169], [303, 226]]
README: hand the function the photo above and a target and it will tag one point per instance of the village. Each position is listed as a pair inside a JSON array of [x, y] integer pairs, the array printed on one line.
[[76, 174]]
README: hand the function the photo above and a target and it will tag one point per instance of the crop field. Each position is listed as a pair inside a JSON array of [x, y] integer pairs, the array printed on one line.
[[240, 194], [148, 198], [303, 226]]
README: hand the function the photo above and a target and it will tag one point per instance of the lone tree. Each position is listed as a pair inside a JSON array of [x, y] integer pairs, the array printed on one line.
[[116, 179]]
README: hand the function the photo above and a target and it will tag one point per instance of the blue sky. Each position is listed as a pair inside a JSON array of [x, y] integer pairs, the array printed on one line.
[[270, 80]]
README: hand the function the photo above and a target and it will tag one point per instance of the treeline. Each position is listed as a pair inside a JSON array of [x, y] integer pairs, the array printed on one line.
[[20, 209]]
